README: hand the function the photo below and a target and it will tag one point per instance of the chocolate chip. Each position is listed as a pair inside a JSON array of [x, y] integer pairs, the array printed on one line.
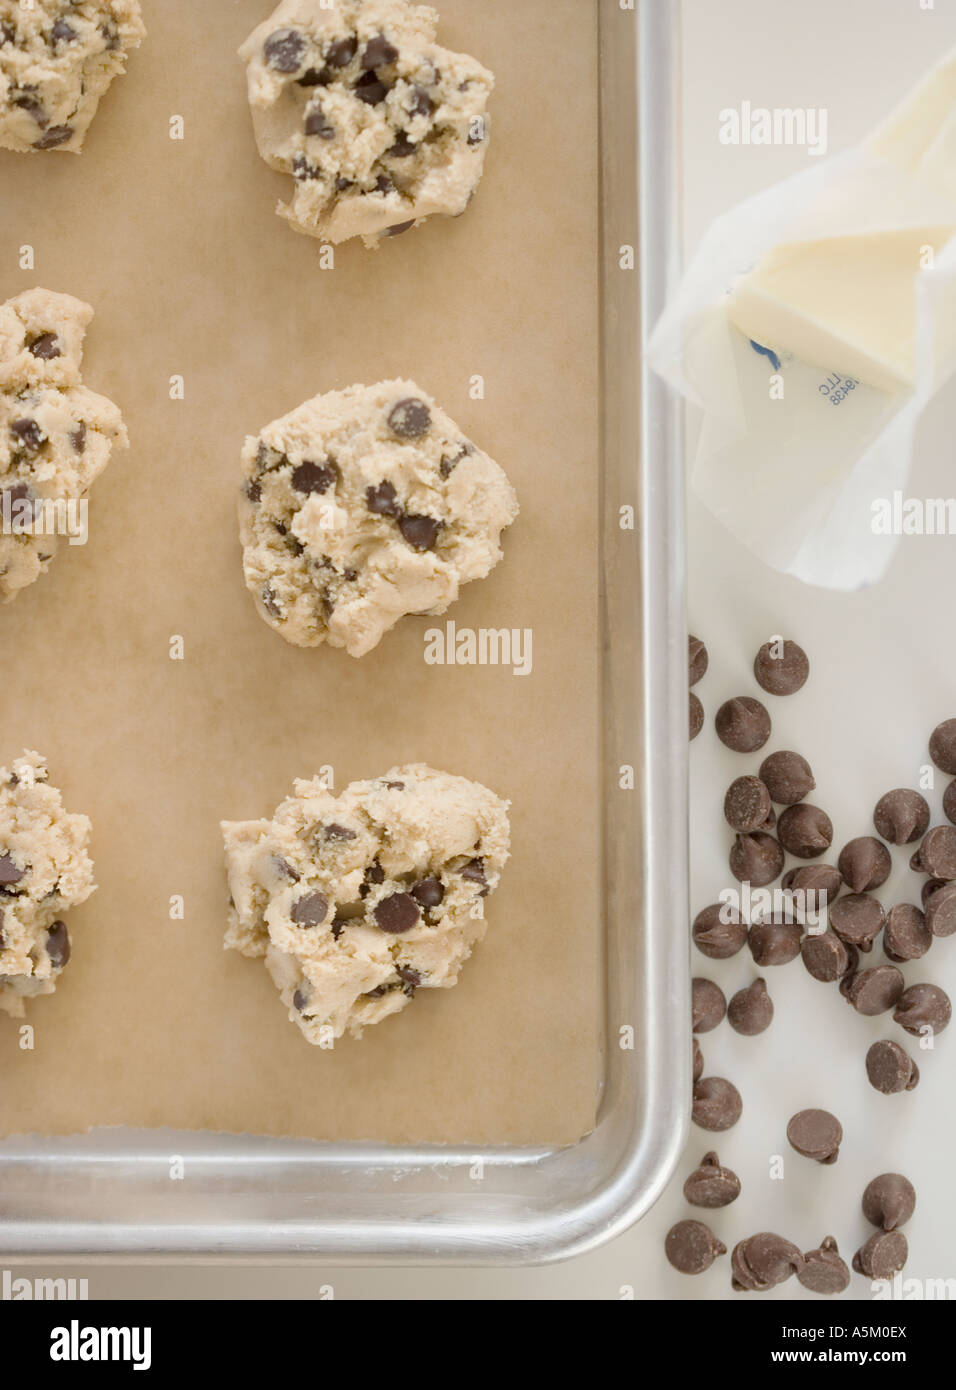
[[708, 1005], [696, 716], [825, 956], [58, 945], [400, 228], [270, 603], [901, 816], [340, 53], [9, 872], [378, 53], [890, 1069], [339, 833], [775, 941], [717, 1104], [310, 910], [28, 432], [474, 872], [923, 1010], [942, 746], [8, 33], [285, 870], [421, 532], [805, 831], [711, 1185], [422, 104], [46, 347], [429, 892], [253, 491], [889, 1201], [941, 910], [747, 804], [318, 124], [110, 33], [763, 1261], [410, 418], [315, 77], [873, 992], [819, 884], [906, 935], [63, 32], [849, 975], [865, 863], [697, 660], [27, 100], [816, 1134], [857, 920], [284, 50], [743, 724], [698, 1060], [53, 136], [756, 859], [382, 500], [311, 477], [692, 1247], [824, 1271], [750, 1011], [937, 853], [787, 777], [397, 913], [883, 1255], [719, 931], [781, 667], [370, 90], [375, 873], [449, 462], [403, 148], [410, 978], [300, 1000]]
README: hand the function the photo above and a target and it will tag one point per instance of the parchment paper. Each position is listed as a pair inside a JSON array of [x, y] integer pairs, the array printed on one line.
[[176, 245]]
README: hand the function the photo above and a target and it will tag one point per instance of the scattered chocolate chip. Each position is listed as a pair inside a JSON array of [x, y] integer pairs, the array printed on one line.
[[410, 419], [743, 724], [805, 831], [692, 1247], [901, 816], [849, 975], [937, 853], [820, 883], [58, 945], [9, 872], [747, 804], [941, 909], [711, 1185], [824, 1271], [889, 1201], [340, 53], [906, 935], [873, 992], [825, 956], [750, 1011], [883, 1255], [787, 777], [775, 941], [942, 746], [370, 90], [890, 1069], [763, 1261], [708, 1005], [400, 228], [46, 347], [696, 716], [382, 500], [429, 892], [923, 1009], [756, 859], [697, 660], [378, 53], [719, 931], [781, 667], [857, 920], [949, 804], [310, 910], [318, 124], [284, 50], [717, 1105], [397, 913], [421, 532], [28, 432], [698, 1061], [816, 1134], [865, 863]]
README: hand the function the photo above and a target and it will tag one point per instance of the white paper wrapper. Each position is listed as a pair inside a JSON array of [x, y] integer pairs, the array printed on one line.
[[795, 479]]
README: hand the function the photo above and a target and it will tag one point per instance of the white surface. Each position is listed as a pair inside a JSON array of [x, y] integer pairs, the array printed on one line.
[[883, 674]]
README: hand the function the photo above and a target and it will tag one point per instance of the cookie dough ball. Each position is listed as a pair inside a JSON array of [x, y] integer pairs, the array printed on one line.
[[378, 126], [362, 506], [56, 436], [358, 901], [44, 871], [57, 58]]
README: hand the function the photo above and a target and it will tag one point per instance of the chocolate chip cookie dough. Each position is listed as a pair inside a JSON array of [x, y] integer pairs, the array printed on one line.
[[44, 871], [379, 127], [57, 58], [357, 901], [362, 506], [56, 437]]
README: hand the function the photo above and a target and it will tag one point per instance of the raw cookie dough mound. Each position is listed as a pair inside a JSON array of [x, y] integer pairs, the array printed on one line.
[[362, 506], [57, 58], [379, 127], [56, 437], [44, 871], [359, 900]]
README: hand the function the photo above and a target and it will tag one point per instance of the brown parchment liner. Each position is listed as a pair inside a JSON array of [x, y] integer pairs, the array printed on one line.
[[176, 245]]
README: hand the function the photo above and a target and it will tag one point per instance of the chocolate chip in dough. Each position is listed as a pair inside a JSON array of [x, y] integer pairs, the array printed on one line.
[[310, 910], [717, 1104], [781, 667], [942, 746], [937, 853], [883, 1255], [825, 956], [805, 831], [382, 500], [370, 89], [696, 716], [901, 816], [857, 919], [46, 347], [890, 1070], [318, 124], [923, 1010], [10, 873], [756, 859], [63, 32], [410, 419], [873, 992], [941, 910], [742, 724], [78, 438], [719, 931], [341, 52], [397, 913], [58, 945], [750, 1011], [309, 477], [284, 50], [906, 935], [824, 1270], [428, 892], [864, 863], [775, 941], [403, 148], [787, 776], [421, 532], [708, 1005], [816, 1134], [378, 53], [763, 1261], [889, 1201], [710, 1185], [697, 660], [691, 1247], [28, 432], [746, 804]]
